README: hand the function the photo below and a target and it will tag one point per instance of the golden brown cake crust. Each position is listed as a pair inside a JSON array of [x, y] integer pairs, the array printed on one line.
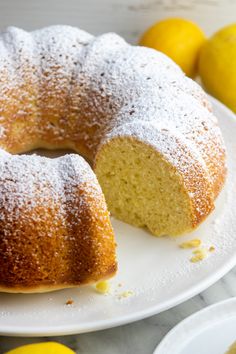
[[62, 88], [77, 91], [55, 230]]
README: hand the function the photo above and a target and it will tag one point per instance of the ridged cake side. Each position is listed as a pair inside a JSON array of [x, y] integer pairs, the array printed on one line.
[[62, 87], [55, 230]]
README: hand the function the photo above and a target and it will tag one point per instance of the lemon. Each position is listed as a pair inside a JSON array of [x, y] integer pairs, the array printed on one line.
[[217, 65], [178, 38], [42, 348]]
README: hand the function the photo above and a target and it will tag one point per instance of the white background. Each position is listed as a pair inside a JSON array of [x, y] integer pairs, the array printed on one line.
[[126, 17]]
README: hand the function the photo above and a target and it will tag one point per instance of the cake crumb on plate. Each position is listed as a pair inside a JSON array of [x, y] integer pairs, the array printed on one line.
[[103, 287], [190, 244], [199, 255]]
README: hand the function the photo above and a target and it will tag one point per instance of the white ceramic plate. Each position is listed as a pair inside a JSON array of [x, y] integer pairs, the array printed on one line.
[[212, 330], [158, 273]]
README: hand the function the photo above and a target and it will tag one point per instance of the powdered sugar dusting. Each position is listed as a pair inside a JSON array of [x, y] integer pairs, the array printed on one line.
[[62, 87], [55, 227], [68, 72], [28, 182]]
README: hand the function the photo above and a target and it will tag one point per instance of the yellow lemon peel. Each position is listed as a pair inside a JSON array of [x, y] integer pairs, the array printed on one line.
[[217, 65], [178, 38], [42, 348]]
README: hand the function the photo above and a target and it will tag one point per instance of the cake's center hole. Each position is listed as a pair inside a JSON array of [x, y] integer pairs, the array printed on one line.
[[51, 153]]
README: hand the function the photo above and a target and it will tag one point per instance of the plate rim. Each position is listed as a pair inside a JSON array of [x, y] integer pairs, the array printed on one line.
[[136, 316], [189, 320]]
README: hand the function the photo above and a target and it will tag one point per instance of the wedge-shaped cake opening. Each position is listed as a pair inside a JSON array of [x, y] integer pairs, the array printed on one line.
[[142, 188]]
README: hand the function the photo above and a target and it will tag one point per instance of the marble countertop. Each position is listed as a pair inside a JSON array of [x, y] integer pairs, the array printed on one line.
[[139, 337]]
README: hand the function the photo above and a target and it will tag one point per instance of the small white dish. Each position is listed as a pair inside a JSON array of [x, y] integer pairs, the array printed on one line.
[[209, 331], [154, 273]]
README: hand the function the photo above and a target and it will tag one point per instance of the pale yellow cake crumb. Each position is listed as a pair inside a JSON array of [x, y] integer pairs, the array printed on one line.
[[126, 294], [199, 255], [211, 249], [103, 287], [190, 244]]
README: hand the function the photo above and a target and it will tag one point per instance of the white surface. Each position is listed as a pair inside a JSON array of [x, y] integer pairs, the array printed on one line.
[[212, 330], [156, 270], [126, 17]]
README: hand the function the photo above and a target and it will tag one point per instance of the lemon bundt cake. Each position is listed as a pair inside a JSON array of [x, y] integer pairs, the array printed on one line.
[[147, 129], [55, 230]]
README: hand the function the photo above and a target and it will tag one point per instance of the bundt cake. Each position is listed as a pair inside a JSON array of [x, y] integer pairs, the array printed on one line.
[[55, 230], [146, 128]]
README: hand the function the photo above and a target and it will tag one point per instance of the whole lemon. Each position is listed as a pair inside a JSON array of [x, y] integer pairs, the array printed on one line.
[[178, 38], [217, 65], [42, 348]]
